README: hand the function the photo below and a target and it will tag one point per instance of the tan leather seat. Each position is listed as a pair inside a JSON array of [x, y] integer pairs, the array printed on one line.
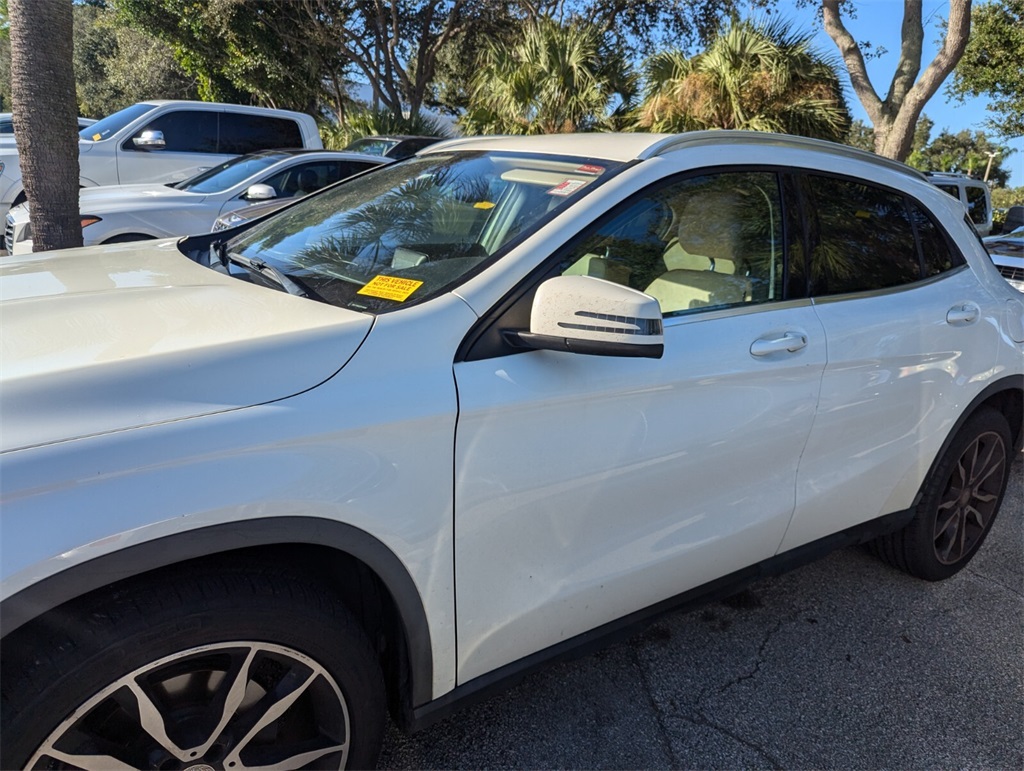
[[682, 290], [706, 235]]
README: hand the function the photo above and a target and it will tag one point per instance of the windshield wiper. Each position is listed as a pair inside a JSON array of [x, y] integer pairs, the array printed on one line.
[[258, 267]]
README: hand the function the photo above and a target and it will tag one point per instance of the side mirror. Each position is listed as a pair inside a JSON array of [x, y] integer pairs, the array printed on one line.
[[582, 314], [260, 193], [150, 140]]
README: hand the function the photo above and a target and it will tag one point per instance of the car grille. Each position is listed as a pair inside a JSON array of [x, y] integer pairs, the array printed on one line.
[[9, 234], [1010, 273]]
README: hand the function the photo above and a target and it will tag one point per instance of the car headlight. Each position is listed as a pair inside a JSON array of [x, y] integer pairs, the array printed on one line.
[[226, 221], [88, 220]]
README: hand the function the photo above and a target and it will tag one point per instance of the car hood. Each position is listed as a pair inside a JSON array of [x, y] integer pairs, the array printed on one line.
[[115, 337], [97, 200]]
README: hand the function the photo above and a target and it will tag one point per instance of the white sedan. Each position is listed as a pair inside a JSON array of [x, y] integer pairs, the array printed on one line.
[[119, 213], [420, 433]]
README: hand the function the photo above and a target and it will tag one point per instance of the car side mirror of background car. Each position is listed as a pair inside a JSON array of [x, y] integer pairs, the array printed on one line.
[[260, 193], [150, 140], [582, 314]]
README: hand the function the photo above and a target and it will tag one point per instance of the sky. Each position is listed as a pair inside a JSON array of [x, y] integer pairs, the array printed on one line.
[[878, 21]]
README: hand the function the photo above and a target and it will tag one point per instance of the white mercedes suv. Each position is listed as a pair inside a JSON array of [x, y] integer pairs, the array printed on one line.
[[419, 433]]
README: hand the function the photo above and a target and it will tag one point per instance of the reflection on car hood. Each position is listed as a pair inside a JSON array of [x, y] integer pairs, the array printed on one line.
[[114, 337], [96, 200]]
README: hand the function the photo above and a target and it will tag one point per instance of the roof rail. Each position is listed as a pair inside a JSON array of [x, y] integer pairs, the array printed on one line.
[[732, 136]]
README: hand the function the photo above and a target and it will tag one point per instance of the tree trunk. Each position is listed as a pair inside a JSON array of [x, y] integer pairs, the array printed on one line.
[[45, 118], [895, 117]]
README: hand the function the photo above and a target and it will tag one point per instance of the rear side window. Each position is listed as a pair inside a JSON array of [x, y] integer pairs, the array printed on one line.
[[936, 255], [977, 205], [241, 133], [861, 237], [185, 131]]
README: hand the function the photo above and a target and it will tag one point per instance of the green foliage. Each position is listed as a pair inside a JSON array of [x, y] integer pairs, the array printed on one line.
[[993, 64], [1005, 197], [265, 53], [364, 123], [966, 152], [759, 76], [861, 136], [554, 79], [116, 66]]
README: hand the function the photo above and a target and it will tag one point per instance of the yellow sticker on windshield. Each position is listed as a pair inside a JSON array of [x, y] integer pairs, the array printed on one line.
[[96, 137], [483, 205], [391, 287]]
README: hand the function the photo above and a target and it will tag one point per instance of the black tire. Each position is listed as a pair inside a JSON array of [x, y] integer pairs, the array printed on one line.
[[959, 502], [125, 238], [78, 681]]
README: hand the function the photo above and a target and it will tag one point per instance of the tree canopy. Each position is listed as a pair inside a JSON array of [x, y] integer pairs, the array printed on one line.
[[993, 64], [761, 76]]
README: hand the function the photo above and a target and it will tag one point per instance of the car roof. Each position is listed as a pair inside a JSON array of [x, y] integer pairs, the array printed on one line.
[[639, 146]]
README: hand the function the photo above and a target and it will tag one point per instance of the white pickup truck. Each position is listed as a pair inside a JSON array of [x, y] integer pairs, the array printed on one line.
[[167, 141]]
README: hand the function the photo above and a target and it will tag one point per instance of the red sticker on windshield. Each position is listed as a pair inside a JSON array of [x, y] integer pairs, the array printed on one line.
[[591, 169]]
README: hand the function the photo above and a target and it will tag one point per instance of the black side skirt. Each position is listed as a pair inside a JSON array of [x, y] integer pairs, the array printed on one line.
[[485, 686]]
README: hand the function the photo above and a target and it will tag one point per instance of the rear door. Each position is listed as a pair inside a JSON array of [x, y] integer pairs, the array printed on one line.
[[907, 346]]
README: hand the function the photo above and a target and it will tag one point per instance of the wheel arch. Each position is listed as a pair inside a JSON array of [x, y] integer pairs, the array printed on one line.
[[1007, 397], [364, 572]]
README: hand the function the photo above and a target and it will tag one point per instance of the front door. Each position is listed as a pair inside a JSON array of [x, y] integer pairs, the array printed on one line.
[[587, 488]]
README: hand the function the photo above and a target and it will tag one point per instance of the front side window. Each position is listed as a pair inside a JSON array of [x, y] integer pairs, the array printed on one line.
[[703, 243], [226, 175], [861, 237], [185, 131], [304, 178], [416, 228]]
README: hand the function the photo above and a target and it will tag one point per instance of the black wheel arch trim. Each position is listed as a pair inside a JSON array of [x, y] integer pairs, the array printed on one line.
[[1006, 384], [78, 580]]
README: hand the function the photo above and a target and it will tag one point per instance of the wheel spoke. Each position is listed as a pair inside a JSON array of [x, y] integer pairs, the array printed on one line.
[[944, 526], [973, 513], [293, 762], [273, 705], [232, 700], [152, 722], [980, 466], [997, 466], [88, 762]]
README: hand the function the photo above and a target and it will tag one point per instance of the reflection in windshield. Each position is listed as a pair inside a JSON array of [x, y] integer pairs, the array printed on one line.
[[417, 228], [104, 128], [230, 173]]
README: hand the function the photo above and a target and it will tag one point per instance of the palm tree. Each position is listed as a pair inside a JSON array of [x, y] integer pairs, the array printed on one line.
[[755, 75], [556, 78], [45, 109]]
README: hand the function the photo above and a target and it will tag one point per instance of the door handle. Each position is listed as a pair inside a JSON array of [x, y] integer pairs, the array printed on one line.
[[788, 343], [960, 315]]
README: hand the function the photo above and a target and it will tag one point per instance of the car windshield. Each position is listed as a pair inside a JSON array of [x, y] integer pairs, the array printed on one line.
[[412, 230], [103, 128], [230, 173]]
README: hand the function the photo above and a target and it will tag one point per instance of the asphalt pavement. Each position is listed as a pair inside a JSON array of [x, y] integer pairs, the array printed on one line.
[[845, 663]]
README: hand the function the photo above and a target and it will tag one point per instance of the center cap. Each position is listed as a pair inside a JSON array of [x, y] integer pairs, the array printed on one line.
[[201, 767]]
